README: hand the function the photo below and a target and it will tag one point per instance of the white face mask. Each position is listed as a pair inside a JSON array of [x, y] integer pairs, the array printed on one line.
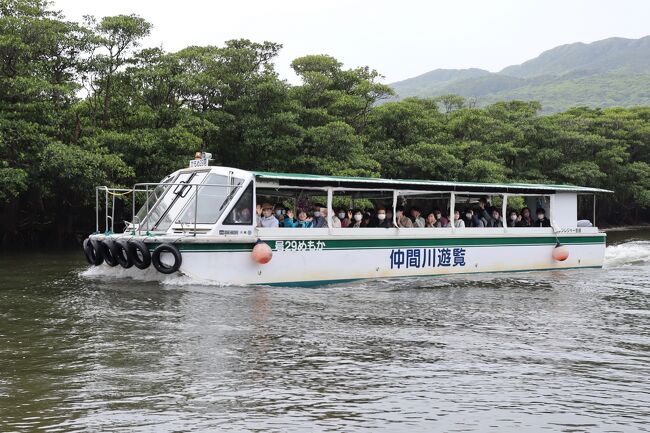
[[341, 215], [438, 215], [278, 212], [381, 216], [468, 215], [316, 214], [540, 216], [358, 217]]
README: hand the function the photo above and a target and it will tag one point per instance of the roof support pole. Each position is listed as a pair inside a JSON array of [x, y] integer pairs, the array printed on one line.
[[452, 210], [395, 194], [330, 211], [504, 209], [595, 210]]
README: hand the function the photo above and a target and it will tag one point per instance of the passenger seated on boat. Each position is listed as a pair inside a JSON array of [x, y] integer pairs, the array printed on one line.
[[382, 220], [541, 221], [243, 216], [343, 217], [289, 220], [458, 221], [418, 221], [442, 221], [318, 221], [402, 220], [367, 219], [524, 218], [484, 211], [320, 218], [430, 220], [513, 218], [279, 212], [358, 220], [268, 220], [301, 222], [475, 219], [495, 219], [258, 212]]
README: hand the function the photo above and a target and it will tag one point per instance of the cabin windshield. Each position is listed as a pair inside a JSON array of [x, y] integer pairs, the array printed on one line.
[[155, 195], [214, 194]]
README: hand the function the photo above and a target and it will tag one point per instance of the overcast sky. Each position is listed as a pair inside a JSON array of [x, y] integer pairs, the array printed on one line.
[[400, 39]]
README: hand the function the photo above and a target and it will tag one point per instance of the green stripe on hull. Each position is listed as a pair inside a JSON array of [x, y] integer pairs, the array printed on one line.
[[341, 281], [344, 244]]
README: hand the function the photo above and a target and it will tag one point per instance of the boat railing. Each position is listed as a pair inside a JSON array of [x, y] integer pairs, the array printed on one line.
[[147, 188]]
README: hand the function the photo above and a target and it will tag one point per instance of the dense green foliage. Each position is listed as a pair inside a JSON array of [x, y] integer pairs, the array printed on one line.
[[84, 105], [613, 72]]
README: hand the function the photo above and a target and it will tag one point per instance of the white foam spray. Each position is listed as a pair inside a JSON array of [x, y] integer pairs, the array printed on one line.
[[627, 254]]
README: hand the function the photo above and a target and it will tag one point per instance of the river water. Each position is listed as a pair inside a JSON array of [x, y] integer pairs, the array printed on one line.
[[527, 352]]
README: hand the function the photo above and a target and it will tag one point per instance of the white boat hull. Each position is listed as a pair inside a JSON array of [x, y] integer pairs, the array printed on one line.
[[303, 260]]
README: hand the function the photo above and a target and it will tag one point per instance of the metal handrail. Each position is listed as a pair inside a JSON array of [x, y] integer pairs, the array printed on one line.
[[147, 190]]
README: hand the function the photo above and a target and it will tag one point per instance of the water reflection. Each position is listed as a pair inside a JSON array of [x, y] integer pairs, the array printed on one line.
[[559, 351]]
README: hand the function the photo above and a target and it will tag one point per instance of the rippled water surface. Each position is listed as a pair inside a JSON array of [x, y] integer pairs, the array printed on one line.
[[554, 351]]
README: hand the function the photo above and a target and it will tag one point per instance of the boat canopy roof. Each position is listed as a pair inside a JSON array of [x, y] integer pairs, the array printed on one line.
[[320, 181]]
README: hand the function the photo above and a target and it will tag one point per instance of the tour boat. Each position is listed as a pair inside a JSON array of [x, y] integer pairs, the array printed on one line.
[[201, 222]]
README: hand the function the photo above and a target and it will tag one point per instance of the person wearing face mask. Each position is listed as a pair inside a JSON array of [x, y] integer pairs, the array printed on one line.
[[513, 219], [318, 220], [382, 218], [441, 220], [343, 217], [525, 219], [458, 221], [473, 215], [357, 219], [402, 220], [268, 220], [279, 212], [541, 221]]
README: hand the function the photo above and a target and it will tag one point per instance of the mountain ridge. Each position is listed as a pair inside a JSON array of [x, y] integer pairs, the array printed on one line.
[[612, 71]]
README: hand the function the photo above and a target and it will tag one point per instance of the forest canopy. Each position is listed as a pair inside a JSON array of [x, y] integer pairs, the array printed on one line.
[[85, 104]]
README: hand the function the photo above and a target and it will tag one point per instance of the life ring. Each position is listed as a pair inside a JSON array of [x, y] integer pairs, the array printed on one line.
[[162, 267], [138, 253], [119, 251], [92, 252]]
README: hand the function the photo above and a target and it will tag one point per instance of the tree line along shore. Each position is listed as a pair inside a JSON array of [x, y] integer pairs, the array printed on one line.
[[85, 104]]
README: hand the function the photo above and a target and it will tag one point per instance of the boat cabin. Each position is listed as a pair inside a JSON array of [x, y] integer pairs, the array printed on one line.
[[213, 201]]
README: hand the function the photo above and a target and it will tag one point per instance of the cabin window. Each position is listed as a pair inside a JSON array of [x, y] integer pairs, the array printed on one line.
[[214, 195], [242, 213], [426, 209]]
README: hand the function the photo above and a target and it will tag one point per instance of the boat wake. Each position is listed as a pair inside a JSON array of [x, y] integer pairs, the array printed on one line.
[[628, 253], [117, 273]]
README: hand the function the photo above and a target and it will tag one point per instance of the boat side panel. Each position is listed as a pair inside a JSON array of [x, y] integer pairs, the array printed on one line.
[[304, 261]]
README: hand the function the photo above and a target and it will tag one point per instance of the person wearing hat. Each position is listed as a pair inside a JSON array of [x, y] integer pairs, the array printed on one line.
[[268, 220], [541, 220]]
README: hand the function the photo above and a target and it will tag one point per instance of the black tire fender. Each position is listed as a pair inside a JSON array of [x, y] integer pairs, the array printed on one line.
[[93, 252], [138, 253], [162, 267], [120, 252], [106, 247]]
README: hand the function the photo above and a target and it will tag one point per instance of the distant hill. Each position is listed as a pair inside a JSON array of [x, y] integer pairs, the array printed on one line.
[[610, 72]]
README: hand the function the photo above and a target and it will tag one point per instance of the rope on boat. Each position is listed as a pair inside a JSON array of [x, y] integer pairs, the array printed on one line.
[[120, 194]]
